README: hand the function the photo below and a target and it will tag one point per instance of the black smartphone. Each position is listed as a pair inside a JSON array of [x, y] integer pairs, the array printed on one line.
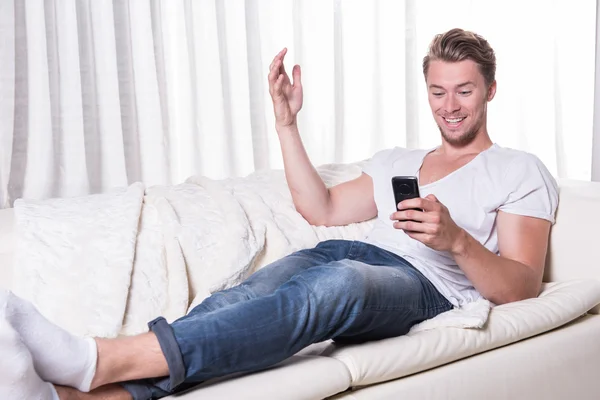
[[405, 187]]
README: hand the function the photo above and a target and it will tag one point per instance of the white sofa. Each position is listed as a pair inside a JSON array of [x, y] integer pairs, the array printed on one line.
[[546, 348]]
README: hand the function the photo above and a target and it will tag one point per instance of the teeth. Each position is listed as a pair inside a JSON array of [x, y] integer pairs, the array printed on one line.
[[454, 120]]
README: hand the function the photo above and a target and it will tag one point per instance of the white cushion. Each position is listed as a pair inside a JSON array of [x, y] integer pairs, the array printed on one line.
[[383, 360], [299, 377], [558, 365]]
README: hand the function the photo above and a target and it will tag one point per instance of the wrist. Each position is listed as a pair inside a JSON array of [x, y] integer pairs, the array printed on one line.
[[461, 244], [283, 128]]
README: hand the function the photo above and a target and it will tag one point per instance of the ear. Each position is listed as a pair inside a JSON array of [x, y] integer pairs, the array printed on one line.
[[491, 91]]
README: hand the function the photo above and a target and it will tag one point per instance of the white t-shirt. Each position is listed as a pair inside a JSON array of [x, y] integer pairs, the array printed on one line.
[[496, 179]]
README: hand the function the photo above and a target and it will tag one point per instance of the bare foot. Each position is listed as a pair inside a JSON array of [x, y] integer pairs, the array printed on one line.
[[108, 392]]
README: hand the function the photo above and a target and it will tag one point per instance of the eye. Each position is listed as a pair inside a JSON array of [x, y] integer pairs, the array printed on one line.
[[437, 94], [465, 92]]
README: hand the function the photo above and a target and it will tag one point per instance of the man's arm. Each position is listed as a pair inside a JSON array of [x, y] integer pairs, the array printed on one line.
[[517, 273], [340, 205], [522, 241]]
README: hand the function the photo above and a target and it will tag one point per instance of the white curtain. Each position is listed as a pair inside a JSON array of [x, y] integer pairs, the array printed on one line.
[[95, 94]]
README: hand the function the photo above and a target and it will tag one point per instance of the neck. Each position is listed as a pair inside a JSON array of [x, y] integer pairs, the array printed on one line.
[[480, 143]]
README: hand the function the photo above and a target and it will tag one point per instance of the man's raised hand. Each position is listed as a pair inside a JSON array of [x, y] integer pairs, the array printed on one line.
[[286, 96]]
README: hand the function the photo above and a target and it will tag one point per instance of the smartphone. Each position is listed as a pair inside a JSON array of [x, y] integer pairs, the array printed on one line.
[[405, 187]]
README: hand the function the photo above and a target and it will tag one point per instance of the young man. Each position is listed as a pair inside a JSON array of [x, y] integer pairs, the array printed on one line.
[[483, 231]]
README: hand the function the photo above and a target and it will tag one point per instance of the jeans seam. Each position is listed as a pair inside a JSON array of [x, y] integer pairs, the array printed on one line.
[[349, 254], [435, 308]]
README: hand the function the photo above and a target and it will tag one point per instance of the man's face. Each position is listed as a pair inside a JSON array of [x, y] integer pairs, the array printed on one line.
[[458, 99]]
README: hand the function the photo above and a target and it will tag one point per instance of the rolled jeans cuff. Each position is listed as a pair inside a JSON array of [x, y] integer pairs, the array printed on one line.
[[170, 348]]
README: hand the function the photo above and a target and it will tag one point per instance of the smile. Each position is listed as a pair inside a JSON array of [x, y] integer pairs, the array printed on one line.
[[453, 122]]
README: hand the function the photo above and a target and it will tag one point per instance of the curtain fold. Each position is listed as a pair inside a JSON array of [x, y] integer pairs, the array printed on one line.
[[70, 169], [103, 127], [96, 94], [40, 159], [8, 81]]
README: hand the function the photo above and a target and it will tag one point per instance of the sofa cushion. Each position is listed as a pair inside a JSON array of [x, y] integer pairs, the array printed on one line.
[[558, 365], [558, 304], [299, 377]]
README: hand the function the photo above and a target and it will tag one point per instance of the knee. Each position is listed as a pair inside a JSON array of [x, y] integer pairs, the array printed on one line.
[[224, 298]]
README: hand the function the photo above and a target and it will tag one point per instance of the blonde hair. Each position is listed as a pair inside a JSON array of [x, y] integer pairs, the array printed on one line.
[[458, 45]]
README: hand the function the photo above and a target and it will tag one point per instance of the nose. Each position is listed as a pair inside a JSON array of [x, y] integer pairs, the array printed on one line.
[[451, 104]]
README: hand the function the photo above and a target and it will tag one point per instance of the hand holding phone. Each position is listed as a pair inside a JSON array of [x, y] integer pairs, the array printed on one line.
[[405, 187], [445, 235]]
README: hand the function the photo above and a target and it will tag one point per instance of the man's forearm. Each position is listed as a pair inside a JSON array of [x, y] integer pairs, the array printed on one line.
[[498, 279], [309, 192]]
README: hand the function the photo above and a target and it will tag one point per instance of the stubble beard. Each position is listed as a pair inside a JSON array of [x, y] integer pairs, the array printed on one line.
[[464, 139], [461, 140], [468, 136]]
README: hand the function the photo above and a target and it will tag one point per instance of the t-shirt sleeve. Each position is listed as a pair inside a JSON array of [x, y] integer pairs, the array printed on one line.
[[532, 190], [377, 162]]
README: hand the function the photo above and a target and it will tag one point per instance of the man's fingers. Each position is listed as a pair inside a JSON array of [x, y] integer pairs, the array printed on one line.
[[282, 68], [277, 69], [296, 74], [419, 202], [432, 198], [278, 83], [421, 237], [278, 62], [412, 215], [415, 227], [279, 56], [274, 72], [412, 226]]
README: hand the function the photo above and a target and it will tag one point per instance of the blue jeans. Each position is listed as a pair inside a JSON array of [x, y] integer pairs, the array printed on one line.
[[347, 291]]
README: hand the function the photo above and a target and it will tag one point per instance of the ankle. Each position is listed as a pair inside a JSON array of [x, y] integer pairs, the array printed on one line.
[[67, 393], [101, 375], [112, 392], [129, 358]]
